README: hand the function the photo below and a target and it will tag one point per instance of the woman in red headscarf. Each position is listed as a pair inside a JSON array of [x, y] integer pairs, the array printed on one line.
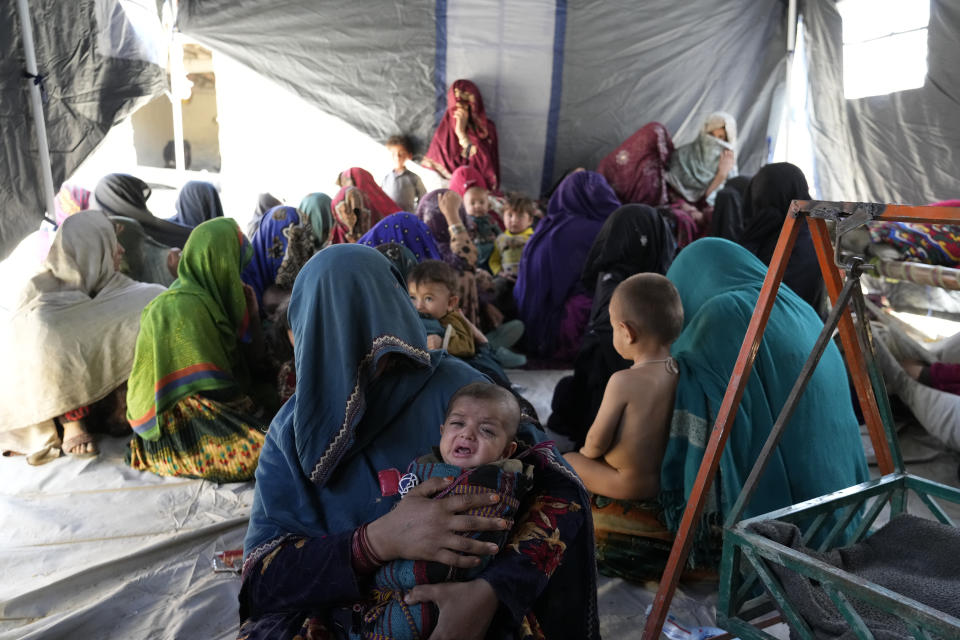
[[465, 137], [359, 205]]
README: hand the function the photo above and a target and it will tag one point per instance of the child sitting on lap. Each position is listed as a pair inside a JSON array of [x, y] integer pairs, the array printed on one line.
[[432, 285], [477, 440], [625, 444], [518, 215], [468, 182]]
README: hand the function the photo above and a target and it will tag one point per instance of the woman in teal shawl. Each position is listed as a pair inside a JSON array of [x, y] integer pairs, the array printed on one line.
[[372, 403], [316, 207], [719, 284]]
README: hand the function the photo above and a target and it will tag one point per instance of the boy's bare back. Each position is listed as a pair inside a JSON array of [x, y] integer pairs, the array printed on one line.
[[630, 431]]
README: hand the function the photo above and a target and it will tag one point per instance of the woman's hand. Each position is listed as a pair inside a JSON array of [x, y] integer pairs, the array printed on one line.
[[434, 342], [726, 163], [173, 261], [449, 203], [251, 297], [460, 118], [466, 608], [421, 528]]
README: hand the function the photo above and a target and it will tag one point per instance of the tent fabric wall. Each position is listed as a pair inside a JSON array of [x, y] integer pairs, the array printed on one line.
[[628, 63], [370, 65], [565, 82], [901, 147], [88, 93]]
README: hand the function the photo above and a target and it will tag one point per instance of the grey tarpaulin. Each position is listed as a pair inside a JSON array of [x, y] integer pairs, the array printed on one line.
[[370, 64], [627, 63], [90, 87], [902, 147]]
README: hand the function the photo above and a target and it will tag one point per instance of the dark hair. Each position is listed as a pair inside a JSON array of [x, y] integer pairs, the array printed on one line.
[[402, 141], [435, 271], [491, 391], [651, 303], [521, 203]]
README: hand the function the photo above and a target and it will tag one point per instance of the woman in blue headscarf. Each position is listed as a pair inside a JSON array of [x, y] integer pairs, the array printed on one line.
[[282, 244], [406, 229], [553, 260], [198, 202], [367, 408]]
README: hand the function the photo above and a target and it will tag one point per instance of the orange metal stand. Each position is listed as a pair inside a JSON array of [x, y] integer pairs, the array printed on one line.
[[847, 215]]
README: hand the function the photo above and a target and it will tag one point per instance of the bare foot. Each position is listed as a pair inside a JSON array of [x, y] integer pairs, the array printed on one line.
[[913, 368], [83, 442]]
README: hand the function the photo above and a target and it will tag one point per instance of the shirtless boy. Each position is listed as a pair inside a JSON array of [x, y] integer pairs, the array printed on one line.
[[625, 444]]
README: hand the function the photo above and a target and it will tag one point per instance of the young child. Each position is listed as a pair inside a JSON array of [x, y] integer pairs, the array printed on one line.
[[625, 444], [432, 285], [468, 182], [518, 216], [404, 186], [477, 445]]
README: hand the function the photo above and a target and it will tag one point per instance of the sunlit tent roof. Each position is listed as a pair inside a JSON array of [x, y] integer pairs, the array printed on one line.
[[565, 82]]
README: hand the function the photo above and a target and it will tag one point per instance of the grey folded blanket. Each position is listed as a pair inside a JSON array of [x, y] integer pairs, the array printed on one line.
[[914, 557]]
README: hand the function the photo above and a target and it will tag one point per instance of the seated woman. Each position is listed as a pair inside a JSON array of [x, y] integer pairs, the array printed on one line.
[[281, 246], [766, 204], [319, 528], [198, 202], [69, 344], [719, 284], [144, 259], [319, 211], [634, 239], [550, 301], [405, 229], [119, 194], [465, 137], [189, 395], [381, 205], [647, 169]]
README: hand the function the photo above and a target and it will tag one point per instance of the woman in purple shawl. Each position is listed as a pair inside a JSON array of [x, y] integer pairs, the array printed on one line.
[[549, 300], [281, 246], [406, 229]]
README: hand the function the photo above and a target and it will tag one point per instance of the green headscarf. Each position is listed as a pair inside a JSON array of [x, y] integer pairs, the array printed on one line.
[[719, 283], [316, 206], [188, 335]]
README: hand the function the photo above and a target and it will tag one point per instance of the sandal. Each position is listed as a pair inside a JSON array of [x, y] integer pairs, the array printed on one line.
[[78, 440]]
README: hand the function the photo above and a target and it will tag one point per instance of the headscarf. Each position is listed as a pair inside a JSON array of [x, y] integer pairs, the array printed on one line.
[[634, 239], [381, 205], [694, 165], [399, 256], [283, 243], [317, 473], [144, 259], [70, 341], [316, 207], [120, 194], [406, 229], [445, 151], [70, 199], [429, 213], [350, 206], [553, 259], [636, 170], [464, 178], [719, 284], [189, 335], [198, 202], [766, 202], [265, 202]]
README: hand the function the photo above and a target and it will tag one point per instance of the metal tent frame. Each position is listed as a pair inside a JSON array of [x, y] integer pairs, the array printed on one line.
[[745, 554]]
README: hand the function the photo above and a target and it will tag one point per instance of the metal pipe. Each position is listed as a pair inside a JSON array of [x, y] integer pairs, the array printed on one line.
[[36, 103], [791, 47]]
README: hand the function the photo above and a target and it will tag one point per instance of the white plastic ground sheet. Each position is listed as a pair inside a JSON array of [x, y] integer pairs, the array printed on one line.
[[90, 548]]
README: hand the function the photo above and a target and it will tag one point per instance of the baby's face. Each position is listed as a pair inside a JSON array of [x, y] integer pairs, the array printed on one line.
[[431, 298], [475, 201], [476, 432]]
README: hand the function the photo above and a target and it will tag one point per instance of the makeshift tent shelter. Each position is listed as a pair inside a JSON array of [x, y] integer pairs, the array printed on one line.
[[565, 82]]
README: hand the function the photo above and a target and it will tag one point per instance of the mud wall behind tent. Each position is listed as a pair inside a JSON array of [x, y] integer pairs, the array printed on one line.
[[900, 147], [565, 81], [95, 70]]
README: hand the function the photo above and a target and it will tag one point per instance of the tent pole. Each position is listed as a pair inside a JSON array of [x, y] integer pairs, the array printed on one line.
[[177, 82], [36, 102], [791, 47]]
